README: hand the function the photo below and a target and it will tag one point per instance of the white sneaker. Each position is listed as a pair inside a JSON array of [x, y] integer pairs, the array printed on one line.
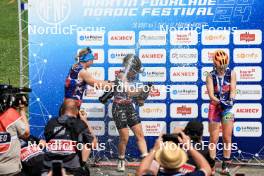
[[121, 165]]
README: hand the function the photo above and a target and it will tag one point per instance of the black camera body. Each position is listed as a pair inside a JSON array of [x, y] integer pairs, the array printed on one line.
[[171, 137], [12, 97]]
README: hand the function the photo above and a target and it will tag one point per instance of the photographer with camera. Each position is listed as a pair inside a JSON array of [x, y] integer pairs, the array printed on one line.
[[169, 157], [194, 129], [13, 125], [67, 139]]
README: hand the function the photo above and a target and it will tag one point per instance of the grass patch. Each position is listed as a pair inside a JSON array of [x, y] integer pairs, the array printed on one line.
[[9, 43]]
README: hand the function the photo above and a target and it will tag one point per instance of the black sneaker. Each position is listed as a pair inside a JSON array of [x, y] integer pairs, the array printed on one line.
[[225, 168]]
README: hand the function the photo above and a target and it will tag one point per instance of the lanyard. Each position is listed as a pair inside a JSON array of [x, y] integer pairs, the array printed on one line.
[[220, 82]]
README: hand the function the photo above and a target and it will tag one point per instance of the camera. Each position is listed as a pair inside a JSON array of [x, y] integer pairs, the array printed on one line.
[[13, 97], [57, 168], [171, 137]]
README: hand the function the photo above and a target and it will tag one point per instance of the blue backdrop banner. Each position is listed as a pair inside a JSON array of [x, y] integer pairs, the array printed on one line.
[[175, 40]]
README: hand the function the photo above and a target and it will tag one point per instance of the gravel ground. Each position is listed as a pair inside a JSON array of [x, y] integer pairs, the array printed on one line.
[[130, 171]]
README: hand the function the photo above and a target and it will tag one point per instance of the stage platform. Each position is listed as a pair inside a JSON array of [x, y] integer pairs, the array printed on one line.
[[251, 168]]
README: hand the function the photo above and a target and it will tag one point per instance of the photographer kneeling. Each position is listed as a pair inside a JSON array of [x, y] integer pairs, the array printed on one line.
[[67, 138], [13, 124], [170, 157], [194, 129]]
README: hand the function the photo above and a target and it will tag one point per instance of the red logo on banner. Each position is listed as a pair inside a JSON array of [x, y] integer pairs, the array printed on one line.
[[185, 73], [247, 110], [154, 92], [184, 110], [151, 56], [95, 56], [121, 37], [247, 37]]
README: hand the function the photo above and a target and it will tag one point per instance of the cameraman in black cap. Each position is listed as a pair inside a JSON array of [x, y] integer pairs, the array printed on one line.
[[67, 137], [13, 124], [194, 129]]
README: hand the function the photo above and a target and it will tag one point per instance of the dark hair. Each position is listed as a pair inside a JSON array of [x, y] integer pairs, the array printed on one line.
[[69, 105], [194, 129]]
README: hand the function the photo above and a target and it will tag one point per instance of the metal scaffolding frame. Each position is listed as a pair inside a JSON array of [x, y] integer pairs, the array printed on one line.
[[23, 45]]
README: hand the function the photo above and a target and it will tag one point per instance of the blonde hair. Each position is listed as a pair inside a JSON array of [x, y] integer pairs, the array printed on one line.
[[81, 53]]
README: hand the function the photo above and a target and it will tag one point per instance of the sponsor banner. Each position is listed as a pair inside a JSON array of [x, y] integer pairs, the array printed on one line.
[[248, 110], [94, 109], [112, 72], [153, 74], [152, 56], [183, 56], [248, 92], [98, 56], [121, 38], [241, 110], [247, 55], [247, 129], [248, 74], [215, 37], [152, 38], [244, 92], [205, 110], [112, 130], [158, 92], [205, 71], [90, 38], [206, 129], [205, 95], [208, 54], [183, 92], [97, 72], [247, 37], [183, 110], [177, 124], [115, 56], [153, 128], [152, 110], [92, 94], [183, 74], [98, 127], [187, 37]]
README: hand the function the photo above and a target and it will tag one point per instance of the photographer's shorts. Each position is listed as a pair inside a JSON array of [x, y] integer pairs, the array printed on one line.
[[217, 114], [124, 115]]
